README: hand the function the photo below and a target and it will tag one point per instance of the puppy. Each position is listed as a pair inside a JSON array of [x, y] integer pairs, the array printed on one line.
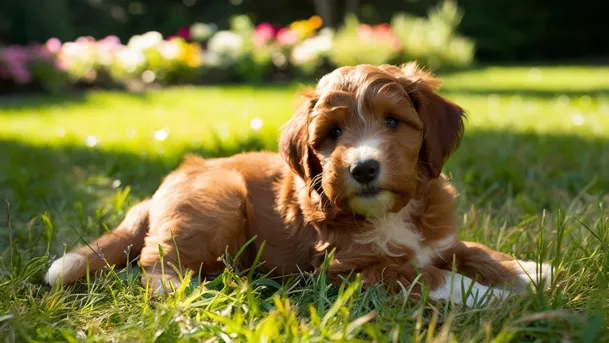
[[359, 170]]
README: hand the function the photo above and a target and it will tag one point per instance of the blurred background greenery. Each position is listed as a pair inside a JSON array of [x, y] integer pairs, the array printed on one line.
[[504, 30], [54, 45]]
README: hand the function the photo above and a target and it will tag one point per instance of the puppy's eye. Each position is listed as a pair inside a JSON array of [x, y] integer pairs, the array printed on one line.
[[335, 132], [391, 122]]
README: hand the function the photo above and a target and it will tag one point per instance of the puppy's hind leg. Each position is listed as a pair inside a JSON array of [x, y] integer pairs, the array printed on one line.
[[110, 248], [196, 216], [491, 267]]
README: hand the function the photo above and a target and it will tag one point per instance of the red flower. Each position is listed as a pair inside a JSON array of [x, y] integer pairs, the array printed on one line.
[[383, 28], [184, 32]]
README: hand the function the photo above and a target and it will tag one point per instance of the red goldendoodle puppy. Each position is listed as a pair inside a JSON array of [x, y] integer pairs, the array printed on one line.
[[359, 170]]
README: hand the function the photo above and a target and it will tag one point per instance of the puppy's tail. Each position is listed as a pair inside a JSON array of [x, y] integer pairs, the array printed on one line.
[[109, 249]]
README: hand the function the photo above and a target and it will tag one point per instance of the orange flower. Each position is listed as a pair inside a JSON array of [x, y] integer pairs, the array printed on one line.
[[315, 21], [306, 28]]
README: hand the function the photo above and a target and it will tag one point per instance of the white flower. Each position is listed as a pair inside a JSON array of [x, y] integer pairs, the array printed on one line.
[[326, 31], [77, 53], [91, 141], [161, 135], [146, 41], [148, 76], [134, 41], [200, 31], [130, 59], [104, 58], [226, 43], [169, 49], [75, 49], [578, 119], [256, 124], [212, 59], [311, 50]]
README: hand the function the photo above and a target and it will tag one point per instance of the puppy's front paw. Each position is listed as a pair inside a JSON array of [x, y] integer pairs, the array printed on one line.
[[533, 273], [66, 269], [460, 289]]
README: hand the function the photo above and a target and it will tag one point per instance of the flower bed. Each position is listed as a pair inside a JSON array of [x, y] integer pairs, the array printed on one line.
[[200, 53]]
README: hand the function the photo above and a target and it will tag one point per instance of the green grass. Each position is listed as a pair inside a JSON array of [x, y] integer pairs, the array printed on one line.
[[532, 172]]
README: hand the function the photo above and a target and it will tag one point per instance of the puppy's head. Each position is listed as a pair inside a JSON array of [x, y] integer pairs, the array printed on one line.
[[368, 136]]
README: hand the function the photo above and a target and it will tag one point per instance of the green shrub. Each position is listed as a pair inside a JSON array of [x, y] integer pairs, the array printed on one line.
[[357, 43], [433, 41]]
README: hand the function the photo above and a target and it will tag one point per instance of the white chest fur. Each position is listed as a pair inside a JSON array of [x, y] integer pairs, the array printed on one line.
[[399, 231]]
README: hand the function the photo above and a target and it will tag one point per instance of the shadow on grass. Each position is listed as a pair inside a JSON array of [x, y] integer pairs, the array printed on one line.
[[543, 171], [72, 183], [37, 100]]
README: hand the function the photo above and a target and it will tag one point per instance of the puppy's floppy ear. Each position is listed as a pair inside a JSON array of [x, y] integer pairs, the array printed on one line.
[[294, 142], [442, 119]]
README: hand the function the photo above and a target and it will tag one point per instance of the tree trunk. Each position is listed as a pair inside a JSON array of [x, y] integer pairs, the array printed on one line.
[[351, 7], [325, 9]]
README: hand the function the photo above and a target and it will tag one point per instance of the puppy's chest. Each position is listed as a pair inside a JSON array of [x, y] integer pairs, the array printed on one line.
[[398, 234]]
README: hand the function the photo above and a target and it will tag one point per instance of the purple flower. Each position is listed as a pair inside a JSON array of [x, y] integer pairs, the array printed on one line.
[[17, 60]]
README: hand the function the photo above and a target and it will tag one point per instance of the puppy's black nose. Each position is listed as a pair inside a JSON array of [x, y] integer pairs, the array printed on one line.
[[366, 171]]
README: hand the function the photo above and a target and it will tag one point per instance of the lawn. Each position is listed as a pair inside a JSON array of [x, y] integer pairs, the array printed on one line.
[[531, 170]]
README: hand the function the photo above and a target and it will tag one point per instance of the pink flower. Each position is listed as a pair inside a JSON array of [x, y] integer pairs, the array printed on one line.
[[364, 31], [285, 36], [385, 32], [184, 32], [53, 45], [109, 44], [263, 34], [85, 39], [381, 32], [110, 41], [396, 44], [106, 49]]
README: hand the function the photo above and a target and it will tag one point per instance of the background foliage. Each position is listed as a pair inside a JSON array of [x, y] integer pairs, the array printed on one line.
[[503, 29], [200, 53]]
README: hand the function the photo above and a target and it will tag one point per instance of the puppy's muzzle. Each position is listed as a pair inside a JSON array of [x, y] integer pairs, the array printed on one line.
[[365, 172]]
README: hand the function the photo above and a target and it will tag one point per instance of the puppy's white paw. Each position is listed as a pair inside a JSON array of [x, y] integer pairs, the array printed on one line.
[[160, 287], [530, 272], [461, 289], [65, 269]]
